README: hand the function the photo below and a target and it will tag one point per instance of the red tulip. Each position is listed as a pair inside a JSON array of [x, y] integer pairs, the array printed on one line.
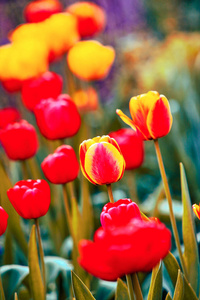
[[125, 244], [101, 160], [30, 198], [19, 140], [62, 166], [91, 18], [4, 219], [57, 118], [131, 145], [8, 115], [48, 85], [39, 10], [12, 85]]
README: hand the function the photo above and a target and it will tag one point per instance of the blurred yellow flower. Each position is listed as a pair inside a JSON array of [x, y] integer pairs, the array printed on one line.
[[86, 100], [90, 60]]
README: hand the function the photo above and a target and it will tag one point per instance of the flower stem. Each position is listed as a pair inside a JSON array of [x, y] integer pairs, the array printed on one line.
[[110, 194], [1, 289], [136, 287], [171, 213], [130, 287], [41, 254]]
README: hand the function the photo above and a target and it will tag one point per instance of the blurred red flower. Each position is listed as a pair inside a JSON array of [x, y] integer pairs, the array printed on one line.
[[30, 198], [8, 115], [4, 220]]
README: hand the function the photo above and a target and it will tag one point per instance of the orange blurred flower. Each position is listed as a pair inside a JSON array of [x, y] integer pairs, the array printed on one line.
[[101, 160], [150, 114], [86, 100], [196, 210], [39, 10], [90, 60], [23, 60], [91, 18]]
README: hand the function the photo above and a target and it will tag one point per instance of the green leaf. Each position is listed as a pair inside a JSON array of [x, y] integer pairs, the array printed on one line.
[[155, 290], [168, 297], [179, 288], [122, 291], [36, 283], [172, 267], [189, 293], [12, 278], [105, 290], [81, 292], [190, 256], [14, 219]]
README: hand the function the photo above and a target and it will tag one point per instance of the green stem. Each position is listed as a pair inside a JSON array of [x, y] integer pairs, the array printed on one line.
[[168, 195], [41, 255], [136, 287], [1, 289], [24, 170], [130, 287], [110, 194]]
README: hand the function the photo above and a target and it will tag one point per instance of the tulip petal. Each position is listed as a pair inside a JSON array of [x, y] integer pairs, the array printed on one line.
[[159, 119], [126, 119], [104, 163]]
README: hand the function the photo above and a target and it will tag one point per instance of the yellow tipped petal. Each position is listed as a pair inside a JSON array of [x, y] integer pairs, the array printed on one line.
[[125, 118]]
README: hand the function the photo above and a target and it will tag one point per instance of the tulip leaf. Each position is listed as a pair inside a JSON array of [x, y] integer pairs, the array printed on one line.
[[36, 282], [155, 290], [179, 288], [122, 291], [189, 293], [190, 256], [168, 297], [14, 219], [172, 267], [81, 292], [12, 277]]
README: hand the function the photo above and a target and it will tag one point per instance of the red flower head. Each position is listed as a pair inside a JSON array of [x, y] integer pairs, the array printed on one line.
[[125, 244], [91, 18], [34, 90], [19, 140], [131, 145], [57, 118], [62, 166], [4, 220], [101, 160], [30, 198], [8, 115], [12, 85], [39, 10], [150, 114]]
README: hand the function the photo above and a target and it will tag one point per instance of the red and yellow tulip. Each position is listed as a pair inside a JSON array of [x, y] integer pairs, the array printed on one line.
[[196, 210], [101, 160], [150, 114]]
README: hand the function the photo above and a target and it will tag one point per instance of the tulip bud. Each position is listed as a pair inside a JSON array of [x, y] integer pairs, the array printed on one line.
[[4, 220], [62, 166], [30, 198], [39, 10], [48, 85], [57, 118], [91, 18], [101, 160], [196, 210], [19, 140], [8, 115], [90, 60], [131, 145], [150, 114]]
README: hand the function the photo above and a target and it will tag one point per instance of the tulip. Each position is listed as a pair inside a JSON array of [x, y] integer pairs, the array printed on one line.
[[125, 244], [12, 85], [4, 220], [150, 114], [8, 115], [39, 10], [91, 18], [86, 100], [45, 86], [57, 118], [101, 160], [62, 166], [90, 60], [19, 140], [30, 198], [196, 209], [131, 145]]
